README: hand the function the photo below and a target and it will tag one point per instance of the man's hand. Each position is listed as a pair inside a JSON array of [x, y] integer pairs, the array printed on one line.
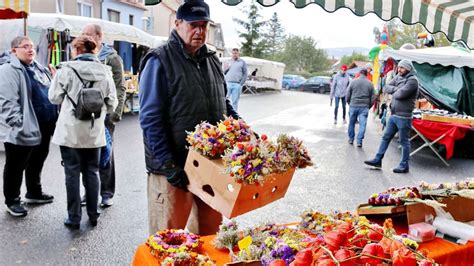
[[176, 176]]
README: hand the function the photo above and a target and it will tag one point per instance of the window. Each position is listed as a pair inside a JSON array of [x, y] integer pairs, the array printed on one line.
[[130, 20], [84, 10], [113, 15]]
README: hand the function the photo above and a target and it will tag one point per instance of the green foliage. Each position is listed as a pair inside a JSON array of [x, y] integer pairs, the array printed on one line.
[[253, 45], [400, 33], [347, 59], [274, 37], [300, 54]]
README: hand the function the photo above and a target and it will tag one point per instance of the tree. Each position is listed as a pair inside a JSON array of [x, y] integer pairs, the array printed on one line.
[[301, 54], [253, 45], [348, 59], [274, 37], [400, 33]]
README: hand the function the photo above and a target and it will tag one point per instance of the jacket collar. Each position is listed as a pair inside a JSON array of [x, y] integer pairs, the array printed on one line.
[[201, 54]]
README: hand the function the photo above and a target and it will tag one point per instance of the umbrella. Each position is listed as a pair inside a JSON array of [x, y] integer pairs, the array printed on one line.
[[453, 18]]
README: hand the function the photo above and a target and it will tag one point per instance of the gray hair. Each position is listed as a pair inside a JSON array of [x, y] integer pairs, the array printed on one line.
[[18, 40]]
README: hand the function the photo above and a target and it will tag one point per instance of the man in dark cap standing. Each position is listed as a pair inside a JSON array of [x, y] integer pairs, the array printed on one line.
[[181, 84], [404, 91]]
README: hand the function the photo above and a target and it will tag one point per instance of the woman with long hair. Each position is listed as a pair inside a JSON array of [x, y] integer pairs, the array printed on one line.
[[80, 140]]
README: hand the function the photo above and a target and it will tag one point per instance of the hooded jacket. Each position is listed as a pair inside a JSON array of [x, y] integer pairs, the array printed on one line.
[[404, 91], [18, 122], [108, 55], [70, 131]]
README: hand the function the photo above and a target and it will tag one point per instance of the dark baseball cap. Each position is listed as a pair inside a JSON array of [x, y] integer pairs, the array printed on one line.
[[194, 10]]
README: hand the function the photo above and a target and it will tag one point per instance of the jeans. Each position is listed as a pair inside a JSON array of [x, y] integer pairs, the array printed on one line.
[[85, 162], [16, 160], [107, 173], [233, 93], [403, 126], [357, 113], [336, 108]]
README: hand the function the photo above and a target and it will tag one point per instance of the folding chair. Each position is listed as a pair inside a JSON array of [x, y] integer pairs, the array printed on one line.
[[427, 143]]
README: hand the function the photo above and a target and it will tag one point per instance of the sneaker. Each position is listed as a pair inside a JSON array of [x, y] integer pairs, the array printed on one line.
[[359, 145], [71, 225], [335, 121], [83, 201], [344, 121], [43, 198], [17, 210], [106, 202], [401, 170], [350, 142], [374, 163], [93, 222]]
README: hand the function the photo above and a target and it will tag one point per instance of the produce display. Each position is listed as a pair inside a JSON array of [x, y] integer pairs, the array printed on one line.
[[394, 196], [339, 238]]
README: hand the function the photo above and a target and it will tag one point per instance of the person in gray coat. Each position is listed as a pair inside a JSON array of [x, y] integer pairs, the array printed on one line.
[[404, 91], [22, 90], [360, 96], [338, 92], [235, 76]]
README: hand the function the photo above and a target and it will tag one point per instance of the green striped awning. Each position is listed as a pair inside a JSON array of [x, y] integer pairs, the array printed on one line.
[[453, 17]]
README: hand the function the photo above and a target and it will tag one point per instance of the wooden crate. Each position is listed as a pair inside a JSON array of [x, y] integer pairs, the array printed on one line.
[[447, 119], [208, 181], [367, 209]]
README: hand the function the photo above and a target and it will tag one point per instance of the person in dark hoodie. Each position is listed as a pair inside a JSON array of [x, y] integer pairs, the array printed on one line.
[[27, 122], [107, 55], [181, 84], [404, 91]]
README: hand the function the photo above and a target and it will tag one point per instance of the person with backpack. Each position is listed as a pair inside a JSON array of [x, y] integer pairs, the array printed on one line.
[[86, 91], [108, 56], [27, 121]]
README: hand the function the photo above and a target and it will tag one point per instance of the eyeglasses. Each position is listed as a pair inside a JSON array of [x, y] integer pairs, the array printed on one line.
[[26, 47]]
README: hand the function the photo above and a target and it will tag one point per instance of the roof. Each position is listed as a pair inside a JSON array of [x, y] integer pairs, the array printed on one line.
[[446, 56]]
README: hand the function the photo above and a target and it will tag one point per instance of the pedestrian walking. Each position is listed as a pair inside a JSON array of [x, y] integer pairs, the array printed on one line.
[[80, 140], [26, 124], [404, 91], [235, 76], [338, 92], [107, 55], [360, 96], [181, 84]]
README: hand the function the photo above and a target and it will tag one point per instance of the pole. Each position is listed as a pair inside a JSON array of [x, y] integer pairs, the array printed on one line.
[[25, 30]]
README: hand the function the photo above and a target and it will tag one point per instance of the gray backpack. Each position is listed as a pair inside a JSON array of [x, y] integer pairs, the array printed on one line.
[[89, 101]]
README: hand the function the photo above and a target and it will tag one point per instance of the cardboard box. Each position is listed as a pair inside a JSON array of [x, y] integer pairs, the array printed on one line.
[[208, 181], [447, 119]]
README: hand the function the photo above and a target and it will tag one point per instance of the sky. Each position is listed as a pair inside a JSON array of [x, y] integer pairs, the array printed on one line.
[[339, 29]]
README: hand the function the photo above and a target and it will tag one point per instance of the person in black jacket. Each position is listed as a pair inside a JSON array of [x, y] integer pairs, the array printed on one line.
[[404, 91], [181, 84]]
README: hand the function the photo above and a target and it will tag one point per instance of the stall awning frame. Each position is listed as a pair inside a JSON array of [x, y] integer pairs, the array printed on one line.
[[14, 9]]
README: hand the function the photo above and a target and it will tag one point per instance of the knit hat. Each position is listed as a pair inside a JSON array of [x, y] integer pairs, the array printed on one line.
[[194, 10], [406, 64]]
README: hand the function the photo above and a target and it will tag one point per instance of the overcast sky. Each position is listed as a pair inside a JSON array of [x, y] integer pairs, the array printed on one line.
[[339, 29]]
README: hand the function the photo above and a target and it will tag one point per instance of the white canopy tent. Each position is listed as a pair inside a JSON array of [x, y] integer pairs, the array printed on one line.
[[9, 29], [445, 56]]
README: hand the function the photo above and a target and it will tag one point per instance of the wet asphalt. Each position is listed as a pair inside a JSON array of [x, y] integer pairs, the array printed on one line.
[[338, 181]]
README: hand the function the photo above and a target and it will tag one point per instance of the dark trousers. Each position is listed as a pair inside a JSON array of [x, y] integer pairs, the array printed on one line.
[[85, 162], [16, 160], [107, 173], [37, 159], [336, 108]]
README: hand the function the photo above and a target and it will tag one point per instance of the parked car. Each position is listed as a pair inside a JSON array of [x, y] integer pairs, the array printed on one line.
[[319, 84], [291, 81]]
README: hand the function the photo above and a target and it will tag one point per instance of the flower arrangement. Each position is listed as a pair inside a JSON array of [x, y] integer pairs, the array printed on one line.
[[394, 196], [317, 222], [249, 162], [228, 236], [212, 141], [291, 153], [187, 259], [173, 241]]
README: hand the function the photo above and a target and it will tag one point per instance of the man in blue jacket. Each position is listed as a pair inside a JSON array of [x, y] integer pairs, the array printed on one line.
[[27, 121], [404, 91], [181, 84]]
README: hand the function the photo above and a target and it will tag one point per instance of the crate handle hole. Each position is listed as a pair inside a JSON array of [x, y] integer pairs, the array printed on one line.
[[195, 163], [255, 196], [230, 187], [208, 189], [274, 189]]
